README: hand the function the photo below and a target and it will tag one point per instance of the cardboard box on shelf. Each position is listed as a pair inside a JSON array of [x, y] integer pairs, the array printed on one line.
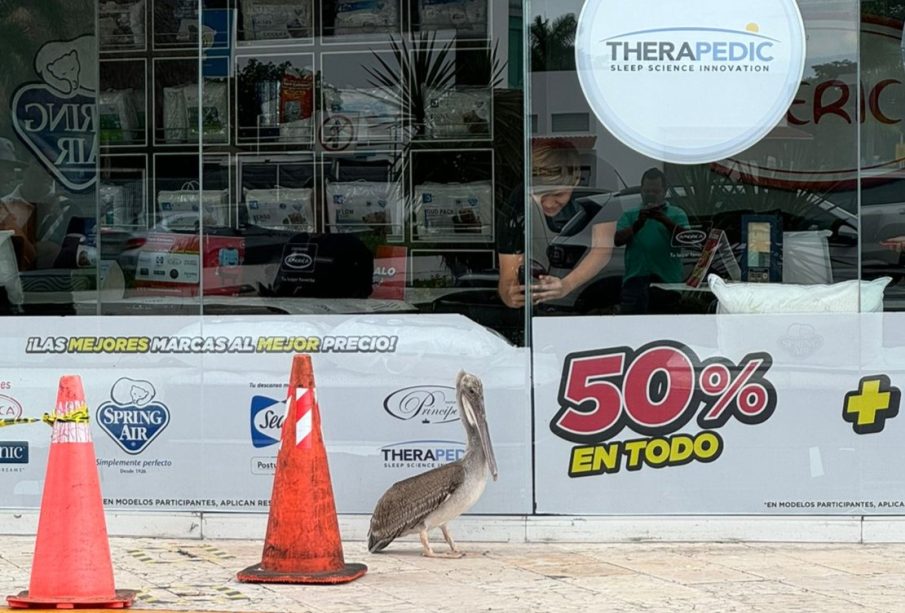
[[168, 264]]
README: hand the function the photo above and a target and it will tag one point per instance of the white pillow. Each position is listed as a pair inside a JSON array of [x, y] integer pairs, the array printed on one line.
[[845, 297]]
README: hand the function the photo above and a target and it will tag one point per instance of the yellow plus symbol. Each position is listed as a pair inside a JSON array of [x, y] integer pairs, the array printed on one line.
[[874, 402]]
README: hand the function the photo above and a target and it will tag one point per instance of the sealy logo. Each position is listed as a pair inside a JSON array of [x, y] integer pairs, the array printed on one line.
[[9, 407], [731, 69], [57, 119], [267, 415], [14, 452], [429, 404], [133, 419]]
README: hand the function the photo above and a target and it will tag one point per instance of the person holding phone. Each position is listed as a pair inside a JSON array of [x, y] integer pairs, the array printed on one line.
[[556, 170], [646, 233]]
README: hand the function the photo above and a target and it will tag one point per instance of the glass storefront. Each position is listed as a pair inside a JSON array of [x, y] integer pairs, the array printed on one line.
[[189, 157], [489, 182]]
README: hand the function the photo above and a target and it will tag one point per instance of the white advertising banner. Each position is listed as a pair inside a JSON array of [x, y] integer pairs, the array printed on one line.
[[186, 413], [726, 414]]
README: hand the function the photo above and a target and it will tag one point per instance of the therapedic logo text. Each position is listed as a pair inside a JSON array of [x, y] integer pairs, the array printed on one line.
[[690, 83], [14, 452], [714, 51]]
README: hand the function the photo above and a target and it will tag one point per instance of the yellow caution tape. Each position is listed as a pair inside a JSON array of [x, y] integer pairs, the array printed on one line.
[[17, 421], [79, 416]]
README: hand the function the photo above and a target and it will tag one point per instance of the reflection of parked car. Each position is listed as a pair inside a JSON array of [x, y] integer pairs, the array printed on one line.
[[882, 219]]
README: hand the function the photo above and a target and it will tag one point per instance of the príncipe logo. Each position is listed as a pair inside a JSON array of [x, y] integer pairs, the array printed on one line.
[[710, 50]]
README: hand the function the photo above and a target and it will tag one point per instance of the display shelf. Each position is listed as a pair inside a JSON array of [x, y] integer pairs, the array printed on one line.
[[277, 191], [178, 99], [122, 26], [360, 21], [358, 109], [452, 201], [275, 99], [175, 24], [365, 193], [335, 148], [456, 93], [122, 103], [461, 20], [266, 23], [182, 197], [123, 191]]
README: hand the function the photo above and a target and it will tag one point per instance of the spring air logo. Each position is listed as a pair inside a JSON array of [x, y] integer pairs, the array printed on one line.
[[267, 416], [655, 391], [133, 419], [690, 85], [57, 119]]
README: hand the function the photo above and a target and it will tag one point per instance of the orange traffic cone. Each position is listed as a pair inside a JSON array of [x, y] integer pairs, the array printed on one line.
[[71, 566], [302, 543]]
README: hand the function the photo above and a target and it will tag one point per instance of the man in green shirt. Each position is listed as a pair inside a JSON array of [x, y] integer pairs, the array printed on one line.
[[647, 234]]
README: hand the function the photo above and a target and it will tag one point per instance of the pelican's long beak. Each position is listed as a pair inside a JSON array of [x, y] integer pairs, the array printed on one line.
[[470, 394], [484, 434]]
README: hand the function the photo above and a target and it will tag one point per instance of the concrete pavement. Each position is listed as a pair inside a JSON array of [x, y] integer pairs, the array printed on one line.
[[199, 575]]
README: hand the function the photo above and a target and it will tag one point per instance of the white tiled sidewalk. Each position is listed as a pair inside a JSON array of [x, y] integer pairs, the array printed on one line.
[[199, 575]]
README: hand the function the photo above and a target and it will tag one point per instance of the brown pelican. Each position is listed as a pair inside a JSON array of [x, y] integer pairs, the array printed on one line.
[[436, 497]]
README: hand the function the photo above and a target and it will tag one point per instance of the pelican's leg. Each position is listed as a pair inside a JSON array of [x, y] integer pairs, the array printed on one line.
[[450, 542], [428, 552]]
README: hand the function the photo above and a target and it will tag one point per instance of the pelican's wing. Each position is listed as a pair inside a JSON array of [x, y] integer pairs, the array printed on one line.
[[408, 502]]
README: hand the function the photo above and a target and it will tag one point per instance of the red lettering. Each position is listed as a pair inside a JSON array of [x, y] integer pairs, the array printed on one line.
[[875, 94], [593, 404], [836, 107], [790, 117]]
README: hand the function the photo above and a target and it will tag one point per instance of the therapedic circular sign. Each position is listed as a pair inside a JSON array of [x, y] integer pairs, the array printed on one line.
[[694, 81]]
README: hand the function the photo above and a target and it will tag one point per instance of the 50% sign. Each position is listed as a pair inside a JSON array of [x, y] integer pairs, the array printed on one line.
[[655, 391]]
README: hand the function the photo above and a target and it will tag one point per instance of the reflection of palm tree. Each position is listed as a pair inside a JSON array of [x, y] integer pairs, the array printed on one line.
[[553, 45], [26, 26], [423, 68]]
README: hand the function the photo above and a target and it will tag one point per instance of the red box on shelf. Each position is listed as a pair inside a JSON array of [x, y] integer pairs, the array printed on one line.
[[167, 264]]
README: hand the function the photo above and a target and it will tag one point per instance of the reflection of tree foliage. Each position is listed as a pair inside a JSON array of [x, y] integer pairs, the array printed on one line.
[[893, 9], [252, 74], [416, 71], [427, 67], [835, 70], [553, 44]]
